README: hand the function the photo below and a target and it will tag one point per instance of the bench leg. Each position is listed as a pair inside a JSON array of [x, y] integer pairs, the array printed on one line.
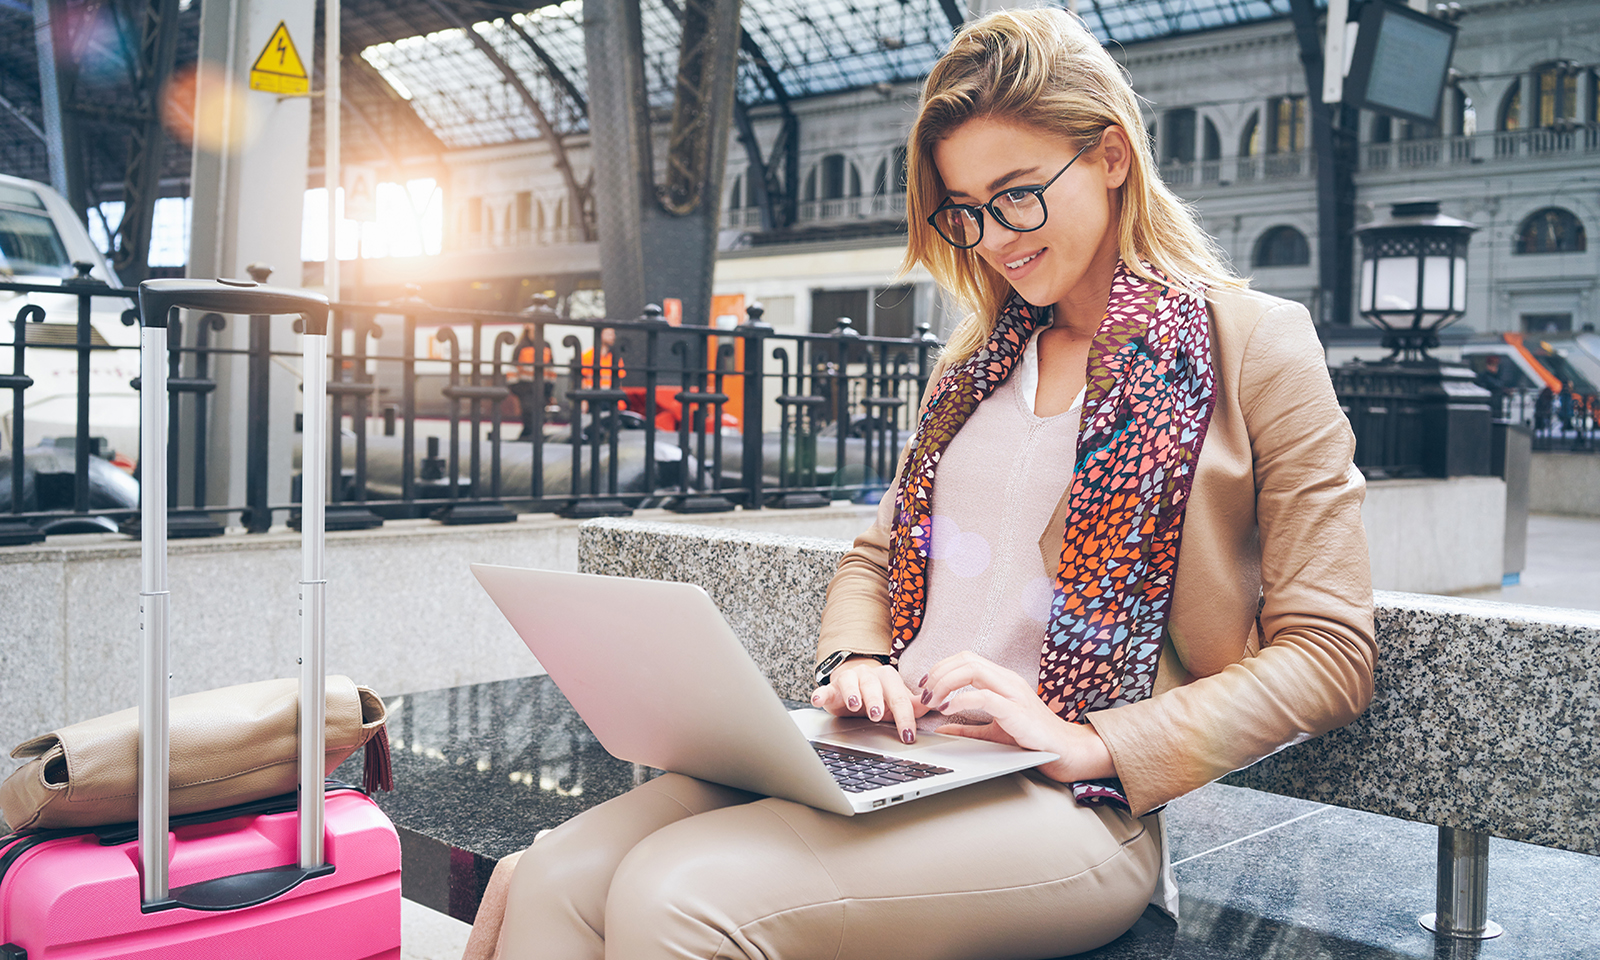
[[1462, 901]]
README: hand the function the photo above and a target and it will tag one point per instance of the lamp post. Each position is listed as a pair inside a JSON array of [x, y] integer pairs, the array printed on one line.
[[1413, 414]]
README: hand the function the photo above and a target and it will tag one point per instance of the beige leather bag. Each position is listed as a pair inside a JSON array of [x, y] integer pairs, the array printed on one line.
[[231, 745]]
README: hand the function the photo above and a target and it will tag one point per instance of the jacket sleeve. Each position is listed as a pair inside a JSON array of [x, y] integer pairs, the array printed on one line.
[[1313, 672]]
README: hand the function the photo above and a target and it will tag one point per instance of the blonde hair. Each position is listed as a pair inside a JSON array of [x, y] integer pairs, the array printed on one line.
[[1042, 68]]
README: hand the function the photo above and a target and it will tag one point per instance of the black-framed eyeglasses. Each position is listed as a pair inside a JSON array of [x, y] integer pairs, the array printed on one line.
[[1020, 208]]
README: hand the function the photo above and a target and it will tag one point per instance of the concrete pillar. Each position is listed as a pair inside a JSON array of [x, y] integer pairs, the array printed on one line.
[[248, 184]]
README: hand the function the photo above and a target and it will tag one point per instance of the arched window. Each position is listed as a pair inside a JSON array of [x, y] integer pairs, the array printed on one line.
[[736, 195], [1382, 129], [833, 166], [1212, 150], [1282, 246], [538, 214], [1555, 90], [880, 180], [1551, 230], [1250, 139], [1288, 115], [1177, 136], [1510, 115], [811, 185]]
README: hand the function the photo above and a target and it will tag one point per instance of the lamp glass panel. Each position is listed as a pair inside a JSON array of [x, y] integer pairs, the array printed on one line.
[[1458, 297], [1396, 284], [1366, 286], [1436, 284]]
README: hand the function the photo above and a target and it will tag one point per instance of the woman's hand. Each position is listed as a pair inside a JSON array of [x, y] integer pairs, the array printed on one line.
[[1019, 716], [861, 686]]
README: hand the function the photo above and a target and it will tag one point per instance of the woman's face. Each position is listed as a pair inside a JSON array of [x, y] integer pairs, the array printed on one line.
[[1070, 260]]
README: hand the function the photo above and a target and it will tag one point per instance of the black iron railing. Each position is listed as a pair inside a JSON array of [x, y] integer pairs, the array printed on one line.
[[475, 416]]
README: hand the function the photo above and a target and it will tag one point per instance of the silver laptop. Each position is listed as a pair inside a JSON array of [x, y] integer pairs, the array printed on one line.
[[659, 677]]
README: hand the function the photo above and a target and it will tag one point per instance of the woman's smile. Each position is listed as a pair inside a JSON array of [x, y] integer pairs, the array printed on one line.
[[1017, 267]]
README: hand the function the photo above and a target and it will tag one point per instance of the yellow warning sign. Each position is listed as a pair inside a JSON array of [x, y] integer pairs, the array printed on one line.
[[278, 69]]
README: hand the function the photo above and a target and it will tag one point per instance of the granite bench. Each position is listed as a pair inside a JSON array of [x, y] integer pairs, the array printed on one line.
[[1483, 724]]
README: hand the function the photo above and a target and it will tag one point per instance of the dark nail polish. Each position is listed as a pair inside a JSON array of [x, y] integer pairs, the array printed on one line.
[[927, 696], [854, 703], [909, 736], [924, 681], [944, 707], [875, 714]]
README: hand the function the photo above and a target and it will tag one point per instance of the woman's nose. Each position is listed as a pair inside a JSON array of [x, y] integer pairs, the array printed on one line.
[[996, 235]]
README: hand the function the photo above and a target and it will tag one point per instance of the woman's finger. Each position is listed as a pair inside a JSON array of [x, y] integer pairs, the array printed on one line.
[[848, 692], [992, 732], [901, 707], [871, 694], [970, 670], [827, 698]]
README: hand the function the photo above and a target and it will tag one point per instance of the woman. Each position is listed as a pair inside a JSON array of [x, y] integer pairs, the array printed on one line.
[[1126, 531]]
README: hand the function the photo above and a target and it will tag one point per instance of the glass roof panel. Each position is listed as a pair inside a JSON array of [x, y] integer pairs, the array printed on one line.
[[814, 47]]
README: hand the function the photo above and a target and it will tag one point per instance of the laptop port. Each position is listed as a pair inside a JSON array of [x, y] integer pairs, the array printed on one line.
[[879, 803], [897, 799]]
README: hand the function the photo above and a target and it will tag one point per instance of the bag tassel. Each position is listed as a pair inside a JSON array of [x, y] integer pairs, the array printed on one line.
[[377, 772]]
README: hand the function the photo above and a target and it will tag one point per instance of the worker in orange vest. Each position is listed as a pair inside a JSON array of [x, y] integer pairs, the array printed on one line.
[[525, 372], [609, 361]]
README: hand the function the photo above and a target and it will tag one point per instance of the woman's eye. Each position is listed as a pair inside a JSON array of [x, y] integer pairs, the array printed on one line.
[[1015, 196]]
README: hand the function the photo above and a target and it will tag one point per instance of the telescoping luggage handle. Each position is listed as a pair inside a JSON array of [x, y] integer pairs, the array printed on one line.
[[157, 299]]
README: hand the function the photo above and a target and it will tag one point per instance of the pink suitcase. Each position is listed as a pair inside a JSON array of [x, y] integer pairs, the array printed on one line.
[[310, 875]]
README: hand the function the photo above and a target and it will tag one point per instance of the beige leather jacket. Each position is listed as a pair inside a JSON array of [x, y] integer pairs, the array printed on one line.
[[1270, 638]]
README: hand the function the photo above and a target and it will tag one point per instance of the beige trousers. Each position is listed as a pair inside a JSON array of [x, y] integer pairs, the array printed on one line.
[[1012, 868]]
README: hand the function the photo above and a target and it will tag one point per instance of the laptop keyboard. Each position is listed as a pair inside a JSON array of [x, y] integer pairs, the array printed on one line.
[[857, 771]]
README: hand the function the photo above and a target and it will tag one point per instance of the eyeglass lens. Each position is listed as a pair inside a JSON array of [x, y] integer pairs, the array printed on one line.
[[1017, 209]]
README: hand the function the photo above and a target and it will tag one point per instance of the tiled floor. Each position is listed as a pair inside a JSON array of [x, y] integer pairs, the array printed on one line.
[[1273, 878]]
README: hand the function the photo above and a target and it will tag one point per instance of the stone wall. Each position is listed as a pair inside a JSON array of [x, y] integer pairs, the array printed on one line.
[[1566, 483], [1436, 536], [404, 613]]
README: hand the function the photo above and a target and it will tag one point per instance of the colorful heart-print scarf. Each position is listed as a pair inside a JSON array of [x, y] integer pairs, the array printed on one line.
[[1148, 401]]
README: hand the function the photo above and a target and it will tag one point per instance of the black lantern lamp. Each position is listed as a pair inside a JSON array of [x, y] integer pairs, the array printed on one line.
[[1415, 415], [1414, 276]]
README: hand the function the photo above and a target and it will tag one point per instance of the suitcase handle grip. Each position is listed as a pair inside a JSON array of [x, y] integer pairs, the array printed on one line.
[[158, 297]]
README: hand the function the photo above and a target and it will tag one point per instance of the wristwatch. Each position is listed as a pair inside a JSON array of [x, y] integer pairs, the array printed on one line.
[[831, 662]]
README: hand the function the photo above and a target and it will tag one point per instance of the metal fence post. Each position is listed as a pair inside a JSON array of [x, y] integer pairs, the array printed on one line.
[[258, 514], [18, 531], [755, 330]]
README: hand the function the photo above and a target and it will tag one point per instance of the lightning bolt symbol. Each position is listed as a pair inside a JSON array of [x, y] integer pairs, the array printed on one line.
[[282, 50]]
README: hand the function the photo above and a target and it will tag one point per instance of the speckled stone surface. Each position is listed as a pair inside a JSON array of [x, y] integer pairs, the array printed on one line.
[[1485, 717], [770, 587]]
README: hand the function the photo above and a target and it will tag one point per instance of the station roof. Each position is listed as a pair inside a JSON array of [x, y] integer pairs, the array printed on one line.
[[796, 49], [418, 86]]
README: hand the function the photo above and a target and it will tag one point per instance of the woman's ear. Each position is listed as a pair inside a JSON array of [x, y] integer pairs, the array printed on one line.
[[1117, 154]]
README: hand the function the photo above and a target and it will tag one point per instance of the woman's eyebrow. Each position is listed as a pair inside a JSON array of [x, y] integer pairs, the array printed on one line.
[[1001, 181]]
